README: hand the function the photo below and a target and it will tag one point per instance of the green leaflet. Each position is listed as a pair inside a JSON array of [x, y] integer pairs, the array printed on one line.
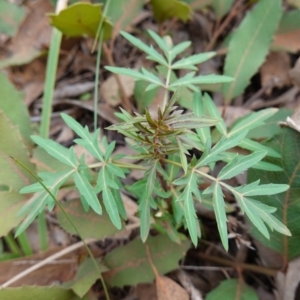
[[198, 108], [152, 53], [219, 207], [239, 165], [189, 80], [37, 203], [61, 153], [86, 190], [249, 45], [104, 185], [191, 61], [136, 75], [252, 121], [213, 111], [145, 203], [190, 188], [223, 145]]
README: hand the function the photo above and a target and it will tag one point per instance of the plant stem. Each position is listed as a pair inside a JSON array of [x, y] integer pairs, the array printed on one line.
[[52, 62], [24, 243], [97, 73], [166, 95], [13, 246]]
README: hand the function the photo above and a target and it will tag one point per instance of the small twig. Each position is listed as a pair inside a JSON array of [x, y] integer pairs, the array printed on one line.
[[237, 265], [234, 11], [271, 83], [286, 97], [46, 261], [108, 54]]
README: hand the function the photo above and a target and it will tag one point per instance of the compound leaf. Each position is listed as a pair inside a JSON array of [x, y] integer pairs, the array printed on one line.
[[287, 203]]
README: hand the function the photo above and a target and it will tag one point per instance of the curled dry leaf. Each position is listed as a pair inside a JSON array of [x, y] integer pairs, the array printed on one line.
[[275, 71]]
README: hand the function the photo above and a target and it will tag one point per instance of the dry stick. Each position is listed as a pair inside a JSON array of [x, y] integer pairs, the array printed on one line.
[[235, 10], [108, 54], [236, 265], [58, 255], [46, 261]]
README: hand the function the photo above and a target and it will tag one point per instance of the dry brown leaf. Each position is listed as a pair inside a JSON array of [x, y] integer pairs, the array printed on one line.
[[287, 284], [232, 113], [167, 289], [290, 38], [61, 270], [275, 71], [33, 36], [146, 291], [109, 89]]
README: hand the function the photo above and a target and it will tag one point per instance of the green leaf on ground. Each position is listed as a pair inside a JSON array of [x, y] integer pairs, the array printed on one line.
[[129, 264], [228, 289], [11, 16], [81, 19], [287, 144], [90, 224], [37, 292], [10, 204], [164, 10], [85, 277], [249, 45], [10, 100], [12, 145]]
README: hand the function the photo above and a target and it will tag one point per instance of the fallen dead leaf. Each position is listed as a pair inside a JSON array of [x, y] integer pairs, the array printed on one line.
[[288, 283], [109, 89], [33, 36], [60, 270], [146, 291], [276, 70], [167, 289]]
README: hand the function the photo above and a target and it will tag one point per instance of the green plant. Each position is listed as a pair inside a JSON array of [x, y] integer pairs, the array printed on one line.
[[164, 145]]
